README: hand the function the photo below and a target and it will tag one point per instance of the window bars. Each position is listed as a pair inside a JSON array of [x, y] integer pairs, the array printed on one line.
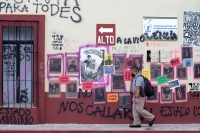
[[19, 64]]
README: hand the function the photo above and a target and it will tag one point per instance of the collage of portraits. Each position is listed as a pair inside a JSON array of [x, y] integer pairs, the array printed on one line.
[[110, 72]]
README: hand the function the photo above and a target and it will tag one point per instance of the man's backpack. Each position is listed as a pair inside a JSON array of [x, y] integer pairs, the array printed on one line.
[[148, 88]]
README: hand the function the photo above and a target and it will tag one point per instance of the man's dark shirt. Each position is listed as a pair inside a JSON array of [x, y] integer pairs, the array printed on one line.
[[71, 66], [108, 62], [56, 68]]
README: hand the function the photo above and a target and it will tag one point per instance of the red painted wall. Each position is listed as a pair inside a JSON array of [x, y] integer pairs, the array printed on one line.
[[176, 113]]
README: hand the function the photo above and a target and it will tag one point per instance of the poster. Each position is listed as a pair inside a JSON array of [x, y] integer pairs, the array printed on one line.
[[119, 62], [174, 84], [188, 62], [118, 82], [160, 28], [155, 71], [181, 93], [181, 73], [146, 73], [112, 97], [87, 85], [109, 69], [155, 56], [92, 63], [72, 90], [54, 88], [162, 79], [166, 94], [99, 95], [108, 59], [165, 55], [175, 62], [72, 65], [191, 29], [124, 101], [64, 79], [128, 62], [127, 75]]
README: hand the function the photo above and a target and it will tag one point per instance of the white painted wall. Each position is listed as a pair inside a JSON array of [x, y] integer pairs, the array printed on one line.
[[126, 14]]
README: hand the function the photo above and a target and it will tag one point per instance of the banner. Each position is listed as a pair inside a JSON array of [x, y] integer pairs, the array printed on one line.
[[164, 29]]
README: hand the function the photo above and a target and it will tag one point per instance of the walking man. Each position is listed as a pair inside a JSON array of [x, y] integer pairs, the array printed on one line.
[[138, 100]]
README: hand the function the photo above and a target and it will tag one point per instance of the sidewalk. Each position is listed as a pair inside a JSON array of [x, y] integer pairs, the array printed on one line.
[[61, 128]]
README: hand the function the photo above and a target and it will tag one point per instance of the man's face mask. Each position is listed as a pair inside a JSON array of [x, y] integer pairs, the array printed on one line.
[[133, 75]]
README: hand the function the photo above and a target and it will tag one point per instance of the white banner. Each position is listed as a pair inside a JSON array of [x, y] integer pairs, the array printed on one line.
[[160, 28]]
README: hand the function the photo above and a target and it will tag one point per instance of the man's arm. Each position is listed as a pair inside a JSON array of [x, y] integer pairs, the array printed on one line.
[[137, 91], [139, 81]]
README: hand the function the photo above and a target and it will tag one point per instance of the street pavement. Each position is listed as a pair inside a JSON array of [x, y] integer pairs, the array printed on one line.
[[100, 127]]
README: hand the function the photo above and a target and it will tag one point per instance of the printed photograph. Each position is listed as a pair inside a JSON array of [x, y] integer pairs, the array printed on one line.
[[180, 93], [173, 84], [196, 70], [155, 71], [155, 96], [188, 62], [99, 95], [54, 88], [55, 66], [71, 90], [138, 61], [187, 52], [124, 101], [92, 64], [168, 71], [181, 73], [128, 62], [148, 55], [108, 59], [119, 63], [166, 94], [117, 83], [72, 65]]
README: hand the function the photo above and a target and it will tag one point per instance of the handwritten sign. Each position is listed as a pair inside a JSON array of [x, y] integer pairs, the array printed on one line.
[[175, 62], [146, 73], [162, 79], [128, 62], [188, 62], [196, 53], [194, 87], [64, 79], [127, 75], [174, 84], [165, 55], [87, 85], [155, 56], [113, 97]]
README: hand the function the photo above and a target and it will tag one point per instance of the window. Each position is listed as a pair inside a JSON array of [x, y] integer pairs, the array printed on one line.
[[19, 64]]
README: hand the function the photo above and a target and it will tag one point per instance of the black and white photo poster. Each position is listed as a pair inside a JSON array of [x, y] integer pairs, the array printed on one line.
[[191, 28], [174, 84], [92, 63]]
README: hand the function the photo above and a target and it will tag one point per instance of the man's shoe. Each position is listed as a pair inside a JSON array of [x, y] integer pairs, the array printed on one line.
[[134, 125], [151, 122]]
